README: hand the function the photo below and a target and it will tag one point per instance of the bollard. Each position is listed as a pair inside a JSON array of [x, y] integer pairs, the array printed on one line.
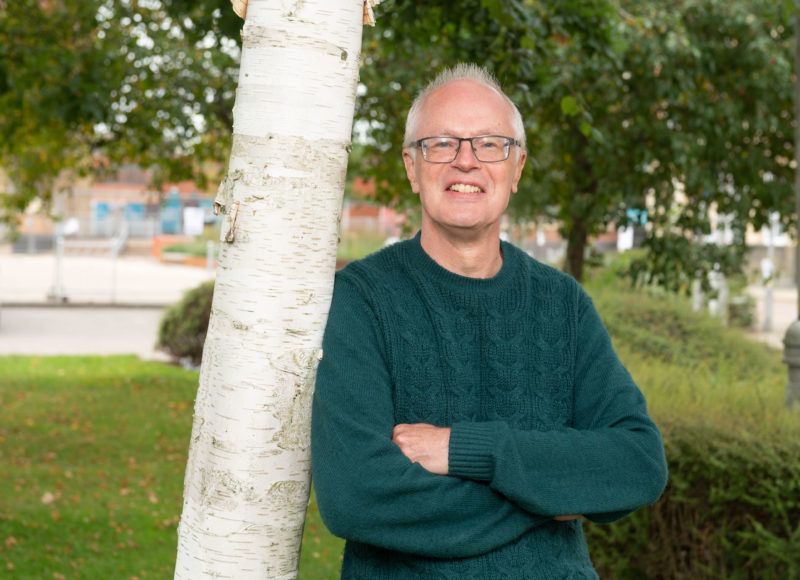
[[791, 356]]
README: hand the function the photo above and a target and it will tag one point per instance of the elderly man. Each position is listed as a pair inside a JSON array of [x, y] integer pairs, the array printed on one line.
[[469, 406]]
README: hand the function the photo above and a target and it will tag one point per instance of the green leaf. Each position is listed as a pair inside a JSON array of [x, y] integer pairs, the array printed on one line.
[[569, 106]]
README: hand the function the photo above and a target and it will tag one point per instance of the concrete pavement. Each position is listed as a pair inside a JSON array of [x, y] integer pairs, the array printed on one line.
[[68, 330], [99, 280], [109, 306]]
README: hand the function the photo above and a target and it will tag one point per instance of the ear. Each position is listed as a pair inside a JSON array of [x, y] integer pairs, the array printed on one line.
[[518, 170], [411, 172]]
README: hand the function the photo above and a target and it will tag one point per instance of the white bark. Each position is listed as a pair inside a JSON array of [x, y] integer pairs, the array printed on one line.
[[248, 477]]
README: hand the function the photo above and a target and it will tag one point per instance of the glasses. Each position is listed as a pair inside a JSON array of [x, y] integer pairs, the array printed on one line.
[[487, 148]]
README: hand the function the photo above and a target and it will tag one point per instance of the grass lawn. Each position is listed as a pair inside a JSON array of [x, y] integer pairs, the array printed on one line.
[[92, 458]]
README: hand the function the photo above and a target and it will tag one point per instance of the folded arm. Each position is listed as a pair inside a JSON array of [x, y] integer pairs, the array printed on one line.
[[604, 465], [367, 489]]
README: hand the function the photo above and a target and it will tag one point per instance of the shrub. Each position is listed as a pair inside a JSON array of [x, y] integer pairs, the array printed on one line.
[[732, 505], [731, 510], [742, 311], [662, 325], [182, 330]]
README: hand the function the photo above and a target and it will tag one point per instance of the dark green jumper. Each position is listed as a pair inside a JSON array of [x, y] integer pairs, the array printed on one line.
[[545, 419]]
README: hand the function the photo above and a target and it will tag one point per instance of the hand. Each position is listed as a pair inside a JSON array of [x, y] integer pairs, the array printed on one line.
[[424, 444]]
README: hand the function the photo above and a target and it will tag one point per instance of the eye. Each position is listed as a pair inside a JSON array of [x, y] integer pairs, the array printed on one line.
[[441, 144], [489, 143]]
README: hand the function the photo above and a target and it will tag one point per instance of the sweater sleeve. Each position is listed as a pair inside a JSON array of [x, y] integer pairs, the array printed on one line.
[[366, 489], [607, 463]]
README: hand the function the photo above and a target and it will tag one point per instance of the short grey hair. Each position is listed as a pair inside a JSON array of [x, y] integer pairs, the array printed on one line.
[[462, 71]]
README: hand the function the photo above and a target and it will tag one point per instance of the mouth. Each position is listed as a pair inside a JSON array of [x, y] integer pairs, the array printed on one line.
[[464, 188]]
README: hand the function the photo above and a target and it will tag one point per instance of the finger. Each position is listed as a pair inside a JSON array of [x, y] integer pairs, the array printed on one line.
[[398, 432]]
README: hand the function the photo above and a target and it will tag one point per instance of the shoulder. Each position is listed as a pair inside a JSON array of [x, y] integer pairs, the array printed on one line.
[[383, 263], [552, 290], [374, 275], [543, 277]]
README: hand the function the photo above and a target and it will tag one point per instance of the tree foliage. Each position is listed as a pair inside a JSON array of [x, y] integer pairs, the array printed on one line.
[[682, 109], [87, 85], [723, 143]]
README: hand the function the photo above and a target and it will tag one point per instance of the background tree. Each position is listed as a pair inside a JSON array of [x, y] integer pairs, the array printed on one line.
[[681, 109], [248, 474], [718, 135], [90, 84]]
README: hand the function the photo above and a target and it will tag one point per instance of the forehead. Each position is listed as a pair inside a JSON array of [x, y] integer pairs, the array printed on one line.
[[465, 108]]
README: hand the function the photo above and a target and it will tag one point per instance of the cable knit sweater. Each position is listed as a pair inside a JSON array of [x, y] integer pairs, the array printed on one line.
[[545, 421]]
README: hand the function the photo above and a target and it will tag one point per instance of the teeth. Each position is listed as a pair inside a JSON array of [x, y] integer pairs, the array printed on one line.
[[464, 188]]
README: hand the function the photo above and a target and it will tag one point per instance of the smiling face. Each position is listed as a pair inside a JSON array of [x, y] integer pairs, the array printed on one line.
[[464, 198]]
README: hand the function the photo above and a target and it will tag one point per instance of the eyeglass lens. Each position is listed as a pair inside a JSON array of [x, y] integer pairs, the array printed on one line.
[[487, 148]]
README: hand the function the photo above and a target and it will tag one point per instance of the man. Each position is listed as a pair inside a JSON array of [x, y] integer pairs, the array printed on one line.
[[469, 406]]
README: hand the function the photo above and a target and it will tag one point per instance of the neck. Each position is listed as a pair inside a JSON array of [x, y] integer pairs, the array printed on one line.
[[470, 257]]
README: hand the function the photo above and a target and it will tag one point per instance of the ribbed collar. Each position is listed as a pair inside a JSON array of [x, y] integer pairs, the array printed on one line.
[[421, 265]]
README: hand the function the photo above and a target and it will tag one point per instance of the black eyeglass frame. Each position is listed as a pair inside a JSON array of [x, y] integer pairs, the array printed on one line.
[[420, 144]]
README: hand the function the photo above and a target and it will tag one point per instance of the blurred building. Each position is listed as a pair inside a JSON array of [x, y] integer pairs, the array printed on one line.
[[126, 207]]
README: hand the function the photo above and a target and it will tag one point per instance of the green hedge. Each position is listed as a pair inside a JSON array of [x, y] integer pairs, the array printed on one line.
[[732, 505], [183, 327], [731, 510]]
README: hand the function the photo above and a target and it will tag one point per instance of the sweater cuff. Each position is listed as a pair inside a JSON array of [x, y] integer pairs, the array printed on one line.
[[471, 451]]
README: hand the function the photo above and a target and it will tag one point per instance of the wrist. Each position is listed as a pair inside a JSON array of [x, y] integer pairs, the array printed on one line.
[[471, 451]]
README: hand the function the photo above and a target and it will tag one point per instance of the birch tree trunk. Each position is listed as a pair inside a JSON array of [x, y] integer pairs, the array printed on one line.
[[248, 474]]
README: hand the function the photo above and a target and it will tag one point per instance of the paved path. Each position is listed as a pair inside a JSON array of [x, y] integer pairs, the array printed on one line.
[[138, 280], [66, 330], [112, 306]]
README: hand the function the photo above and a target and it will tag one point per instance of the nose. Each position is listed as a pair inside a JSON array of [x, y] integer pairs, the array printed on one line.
[[465, 157]]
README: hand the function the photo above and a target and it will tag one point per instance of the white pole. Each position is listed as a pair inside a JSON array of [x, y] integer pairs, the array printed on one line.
[[57, 292], [767, 272]]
